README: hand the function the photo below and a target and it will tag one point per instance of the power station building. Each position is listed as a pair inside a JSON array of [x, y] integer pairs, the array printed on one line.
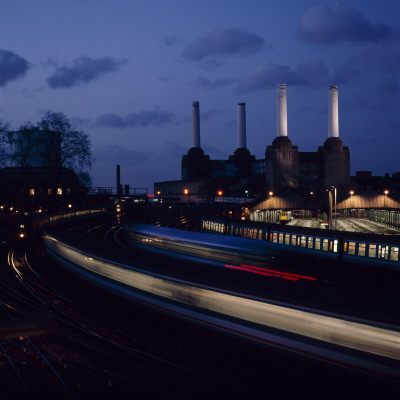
[[283, 166]]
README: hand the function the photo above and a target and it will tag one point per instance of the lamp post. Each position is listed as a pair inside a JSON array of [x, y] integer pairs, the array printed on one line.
[[330, 209], [386, 192], [335, 207], [351, 202], [187, 193]]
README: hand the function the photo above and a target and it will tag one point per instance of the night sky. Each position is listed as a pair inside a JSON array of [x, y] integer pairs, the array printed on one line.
[[126, 73]]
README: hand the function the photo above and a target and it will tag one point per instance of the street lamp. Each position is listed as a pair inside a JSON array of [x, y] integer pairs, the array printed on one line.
[[270, 194], [335, 191], [386, 192], [351, 202], [220, 193], [186, 193]]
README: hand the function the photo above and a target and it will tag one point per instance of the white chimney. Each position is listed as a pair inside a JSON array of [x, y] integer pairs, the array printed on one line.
[[195, 124], [281, 125], [242, 126], [333, 117]]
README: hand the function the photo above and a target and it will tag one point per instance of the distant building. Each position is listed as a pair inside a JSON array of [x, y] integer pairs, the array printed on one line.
[[31, 188], [283, 166]]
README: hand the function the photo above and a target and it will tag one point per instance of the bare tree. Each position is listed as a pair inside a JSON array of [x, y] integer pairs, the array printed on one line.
[[64, 145], [23, 143]]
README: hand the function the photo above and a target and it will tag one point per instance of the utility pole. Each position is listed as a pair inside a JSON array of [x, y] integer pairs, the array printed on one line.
[[118, 180]]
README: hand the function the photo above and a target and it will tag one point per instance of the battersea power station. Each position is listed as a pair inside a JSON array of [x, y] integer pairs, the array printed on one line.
[[283, 168]]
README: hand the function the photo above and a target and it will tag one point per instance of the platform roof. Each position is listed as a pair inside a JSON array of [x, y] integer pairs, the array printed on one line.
[[369, 200], [287, 200]]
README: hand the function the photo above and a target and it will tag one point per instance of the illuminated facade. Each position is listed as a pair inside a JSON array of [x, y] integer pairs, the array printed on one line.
[[283, 166]]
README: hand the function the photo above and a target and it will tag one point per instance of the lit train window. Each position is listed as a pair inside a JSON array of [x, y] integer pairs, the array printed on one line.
[[385, 252], [379, 248], [304, 241], [352, 248], [317, 244], [394, 254], [325, 244], [293, 240], [361, 249], [335, 246], [275, 237], [310, 242], [372, 251], [287, 239], [281, 235], [260, 234]]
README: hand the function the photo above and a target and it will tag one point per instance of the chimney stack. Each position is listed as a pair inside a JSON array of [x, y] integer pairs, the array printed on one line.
[[242, 126], [195, 124], [333, 117], [281, 125]]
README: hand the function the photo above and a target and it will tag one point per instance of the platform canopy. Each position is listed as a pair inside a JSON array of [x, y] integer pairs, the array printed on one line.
[[287, 200], [368, 199]]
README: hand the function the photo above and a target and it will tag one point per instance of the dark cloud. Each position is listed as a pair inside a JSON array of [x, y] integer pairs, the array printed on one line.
[[83, 70], [112, 154], [313, 75], [155, 117], [324, 25], [223, 41], [205, 83], [384, 56], [12, 66], [78, 121]]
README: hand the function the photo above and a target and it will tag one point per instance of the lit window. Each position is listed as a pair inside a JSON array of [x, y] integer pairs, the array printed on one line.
[[352, 248], [31, 192], [59, 191], [361, 249], [394, 254], [317, 244], [372, 251]]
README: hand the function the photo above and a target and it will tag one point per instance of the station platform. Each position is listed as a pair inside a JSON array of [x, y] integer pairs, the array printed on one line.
[[362, 225]]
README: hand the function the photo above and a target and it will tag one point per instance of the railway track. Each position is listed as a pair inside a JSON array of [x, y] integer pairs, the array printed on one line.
[[92, 351]]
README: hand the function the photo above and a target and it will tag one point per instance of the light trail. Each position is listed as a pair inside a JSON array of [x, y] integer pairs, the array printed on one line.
[[358, 335]]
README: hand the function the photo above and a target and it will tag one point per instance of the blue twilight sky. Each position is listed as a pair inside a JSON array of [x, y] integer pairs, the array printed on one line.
[[126, 72]]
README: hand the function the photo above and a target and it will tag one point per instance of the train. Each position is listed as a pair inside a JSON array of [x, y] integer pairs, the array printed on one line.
[[364, 346], [343, 247], [285, 216], [29, 226]]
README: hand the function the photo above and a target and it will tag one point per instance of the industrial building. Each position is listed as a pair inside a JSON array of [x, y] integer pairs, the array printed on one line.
[[283, 166]]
